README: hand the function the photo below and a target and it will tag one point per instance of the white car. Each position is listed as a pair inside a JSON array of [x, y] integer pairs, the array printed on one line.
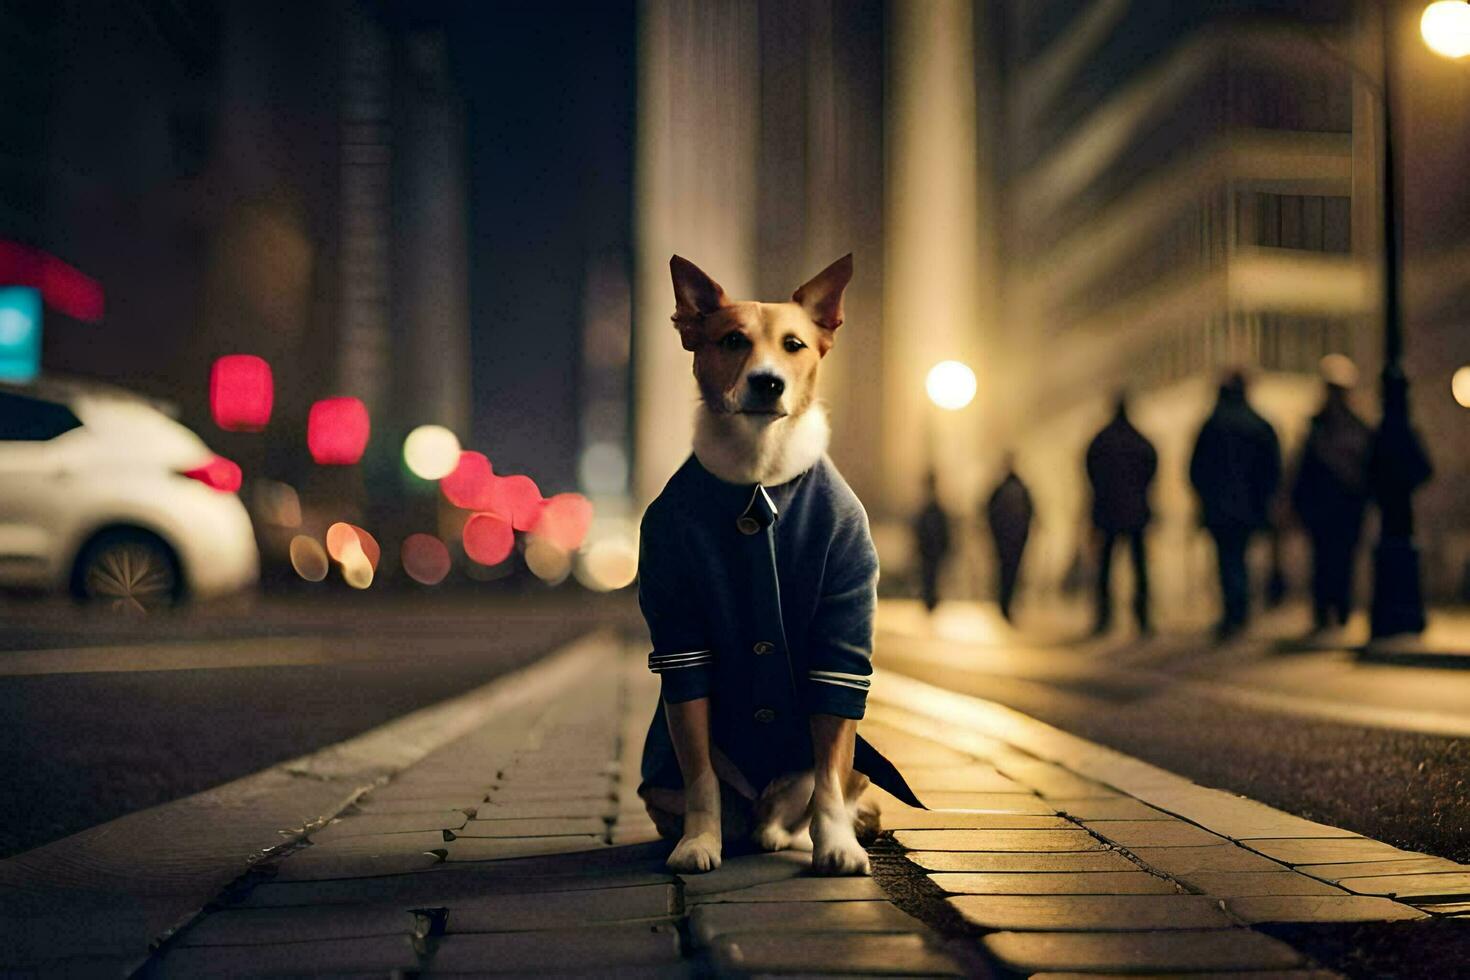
[[105, 496]]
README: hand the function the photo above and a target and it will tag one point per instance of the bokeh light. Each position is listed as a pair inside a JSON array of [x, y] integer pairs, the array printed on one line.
[[425, 559], [547, 561], [342, 538], [488, 538], [951, 385], [608, 564], [1339, 370], [1445, 27], [241, 393], [308, 558], [431, 452], [337, 431], [565, 521], [219, 473], [1460, 386], [603, 468], [469, 484], [357, 569], [518, 498], [277, 503]]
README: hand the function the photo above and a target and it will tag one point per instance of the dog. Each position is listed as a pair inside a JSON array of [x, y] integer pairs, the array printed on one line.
[[757, 577]]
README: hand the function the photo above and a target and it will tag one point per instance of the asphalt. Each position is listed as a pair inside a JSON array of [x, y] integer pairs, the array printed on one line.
[[81, 747]]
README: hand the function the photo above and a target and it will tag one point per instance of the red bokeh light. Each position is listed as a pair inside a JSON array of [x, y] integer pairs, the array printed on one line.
[[64, 288], [471, 483], [341, 534], [565, 520], [518, 498], [425, 559], [337, 431], [241, 393], [488, 538], [369, 545], [219, 473]]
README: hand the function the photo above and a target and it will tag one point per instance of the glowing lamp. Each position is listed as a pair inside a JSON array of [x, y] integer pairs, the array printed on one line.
[[425, 559], [951, 385], [337, 431], [518, 498], [546, 561], [431, 452], [345, 541], [469, 484], [241, 393], [308, 558], [565, 520], [219, 473], [1460, 386], [1445, 27], [488, 539]]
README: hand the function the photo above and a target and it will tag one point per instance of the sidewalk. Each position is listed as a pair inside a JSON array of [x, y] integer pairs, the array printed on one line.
[[519, 847]]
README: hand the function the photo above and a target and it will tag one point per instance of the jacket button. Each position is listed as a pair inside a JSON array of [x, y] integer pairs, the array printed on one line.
[[763, 647], [765, 716], [748, 525]]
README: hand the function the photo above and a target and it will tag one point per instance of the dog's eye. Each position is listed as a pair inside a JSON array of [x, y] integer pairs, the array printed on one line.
[[793, 344], [734, 340]]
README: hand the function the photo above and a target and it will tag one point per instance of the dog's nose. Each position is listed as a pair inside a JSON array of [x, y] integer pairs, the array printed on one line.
[[769, 386]]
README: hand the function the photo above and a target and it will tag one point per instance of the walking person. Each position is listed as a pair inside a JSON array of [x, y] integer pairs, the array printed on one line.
[[1330, 495], [1009, 513], [1121, 464], [1236, 470], [931, 534]]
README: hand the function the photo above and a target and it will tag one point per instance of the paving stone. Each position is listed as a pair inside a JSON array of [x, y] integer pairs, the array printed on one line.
[[372, 805], [998, 840], [1153, 833], [316, 864], [511, 796], [360, 825], [1433, 885], [806, 889], [1248, 884], [1022, 862], [708, 921], [988, 802], [746, 871], [500, 848], [1328, 850], [1176, 861], [1320, 908], [603, 950], [411, 842], [1090, 913], [1056, 883], [1447, 908], [545, 910], [533, 827], [1054, 781], [247, 927], [363, 954], [976, 778], [441, 887], [1117, 808], [1231, 975], [906, 750], [1237, 817], [825, 954], [911, 818], [635, 834], [1366, 869], [465, 791], [1183, 951], [579, 807]]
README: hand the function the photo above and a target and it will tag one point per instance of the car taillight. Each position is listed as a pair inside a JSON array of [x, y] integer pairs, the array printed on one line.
[[219, 473]]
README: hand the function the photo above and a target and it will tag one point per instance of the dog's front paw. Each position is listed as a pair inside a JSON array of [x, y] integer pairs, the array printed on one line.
[[835, 849], [695, 854], [772, 837]]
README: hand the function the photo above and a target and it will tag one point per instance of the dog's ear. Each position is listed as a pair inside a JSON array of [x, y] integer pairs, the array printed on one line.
[[821, 297], [695, 296]]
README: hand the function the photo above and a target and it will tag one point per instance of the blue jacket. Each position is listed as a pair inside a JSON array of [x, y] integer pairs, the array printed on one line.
[[762, 599]]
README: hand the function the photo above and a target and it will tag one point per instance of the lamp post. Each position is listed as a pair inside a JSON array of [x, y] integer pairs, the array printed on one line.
[[1399, 465]]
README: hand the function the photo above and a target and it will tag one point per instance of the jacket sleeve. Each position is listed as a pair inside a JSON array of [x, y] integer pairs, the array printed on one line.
[[681, 655], [840, 644]]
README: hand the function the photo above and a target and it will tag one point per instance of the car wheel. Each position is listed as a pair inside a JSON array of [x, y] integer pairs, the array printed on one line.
[[128, 571]]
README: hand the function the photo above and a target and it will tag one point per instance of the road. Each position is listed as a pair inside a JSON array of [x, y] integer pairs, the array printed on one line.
[[1382, 750], [100, 717]]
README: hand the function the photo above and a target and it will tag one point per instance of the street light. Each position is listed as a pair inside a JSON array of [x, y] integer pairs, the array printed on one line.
[[1445, 27], [951, 385]]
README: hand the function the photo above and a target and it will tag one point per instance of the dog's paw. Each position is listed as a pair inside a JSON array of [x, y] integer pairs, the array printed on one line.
[[695, 855], [835, 849], [801, 840], [772, 837]]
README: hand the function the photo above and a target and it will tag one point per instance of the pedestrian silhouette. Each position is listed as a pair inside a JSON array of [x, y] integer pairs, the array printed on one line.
[[1236, 470], [1121, 464], [1330, 495], [1009, 513], [931, 533]]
